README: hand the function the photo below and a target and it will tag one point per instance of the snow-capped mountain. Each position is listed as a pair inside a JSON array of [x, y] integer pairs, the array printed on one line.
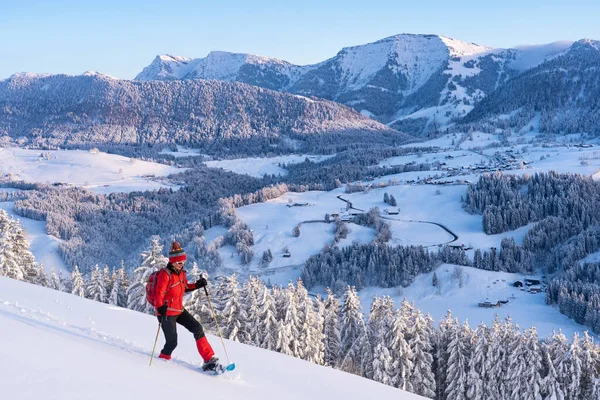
[[95, 108], [266, 72], [563, 93], [414, 83]]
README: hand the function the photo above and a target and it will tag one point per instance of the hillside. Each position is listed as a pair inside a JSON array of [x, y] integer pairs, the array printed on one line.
[[64, 347], [97, 109], [564, 91], [413, 83]]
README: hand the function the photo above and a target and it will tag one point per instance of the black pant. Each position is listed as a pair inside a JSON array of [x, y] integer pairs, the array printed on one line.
[[169, 328]]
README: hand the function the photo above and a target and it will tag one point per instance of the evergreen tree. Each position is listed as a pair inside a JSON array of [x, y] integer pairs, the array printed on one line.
[[353, 333], [151, 260], [9, 261], [287, 331], [332, 330], [458, 353], [267, 319], [54, 282], [118, 294], [78, 285], [395, 342], [421, 375], [233, 314], [96, 289]]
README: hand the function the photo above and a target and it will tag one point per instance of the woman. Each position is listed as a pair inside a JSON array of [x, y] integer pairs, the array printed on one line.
[[171, 285]]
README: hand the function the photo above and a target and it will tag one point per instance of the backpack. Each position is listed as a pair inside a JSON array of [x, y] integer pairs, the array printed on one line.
[[151, 285]]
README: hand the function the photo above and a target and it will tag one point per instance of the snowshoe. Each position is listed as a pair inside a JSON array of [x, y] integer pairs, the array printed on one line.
[[215, 367]]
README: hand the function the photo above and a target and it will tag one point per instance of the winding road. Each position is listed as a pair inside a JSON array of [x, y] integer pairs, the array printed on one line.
[[408, 220]]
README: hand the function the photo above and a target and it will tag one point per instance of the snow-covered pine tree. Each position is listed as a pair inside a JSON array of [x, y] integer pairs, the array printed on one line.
[[533, 354], [96, 289], [331, 330], [9, 262], [458, 354], [54, 281], [287, 331], [197, 303], [589, 366], [382, 310], [383, 364], [152, 260], [78, 284], [267, 319], [352, 333], [41, 276], [67, 283], [107, 281], [250, 293], [517, 364], [318, 323], [573, 389], [308, 337], [118, 294], [550, 385], [446, 327], [24, 257], [233, 315], [477, 365], [395, 342], [421, 376]]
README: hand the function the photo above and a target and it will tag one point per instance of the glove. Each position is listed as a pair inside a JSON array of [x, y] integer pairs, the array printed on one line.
[[201, 282], [162, 310]]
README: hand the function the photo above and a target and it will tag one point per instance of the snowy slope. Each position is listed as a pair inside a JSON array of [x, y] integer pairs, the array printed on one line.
[[59, 346], [417, 57], [166, 67], [222, 65], [99, 172], [527, 57], [43, 246]]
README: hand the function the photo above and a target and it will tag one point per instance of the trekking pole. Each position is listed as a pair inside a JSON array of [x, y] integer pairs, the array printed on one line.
[[155, 340], [212, 310]]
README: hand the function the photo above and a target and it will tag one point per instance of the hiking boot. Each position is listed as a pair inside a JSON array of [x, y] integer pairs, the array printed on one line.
[[211, 365]]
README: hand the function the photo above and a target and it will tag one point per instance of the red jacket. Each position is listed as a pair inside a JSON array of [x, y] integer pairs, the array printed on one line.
[[170, 288]]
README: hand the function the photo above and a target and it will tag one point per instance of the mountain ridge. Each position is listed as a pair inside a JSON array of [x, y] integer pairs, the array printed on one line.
[[95, 108], [411, 82]]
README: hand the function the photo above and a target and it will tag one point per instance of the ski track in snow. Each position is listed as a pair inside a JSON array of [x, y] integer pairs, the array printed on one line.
[[44, 320]]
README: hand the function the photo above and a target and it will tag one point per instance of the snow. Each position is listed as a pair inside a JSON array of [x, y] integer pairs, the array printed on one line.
[[525, 309], [528, 57], [43, 246], [258, 166], [417, 56], [64, 347], [461, 49], [101, 173]]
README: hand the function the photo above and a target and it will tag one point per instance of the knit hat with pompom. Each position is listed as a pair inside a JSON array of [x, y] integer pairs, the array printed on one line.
[[176, 254]]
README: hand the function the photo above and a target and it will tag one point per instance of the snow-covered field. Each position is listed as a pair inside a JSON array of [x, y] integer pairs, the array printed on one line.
[[524, 308], [59, 346], [258, 167], [100, 173]]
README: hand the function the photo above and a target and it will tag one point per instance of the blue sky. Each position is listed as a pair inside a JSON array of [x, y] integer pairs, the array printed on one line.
[[120, 38]]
